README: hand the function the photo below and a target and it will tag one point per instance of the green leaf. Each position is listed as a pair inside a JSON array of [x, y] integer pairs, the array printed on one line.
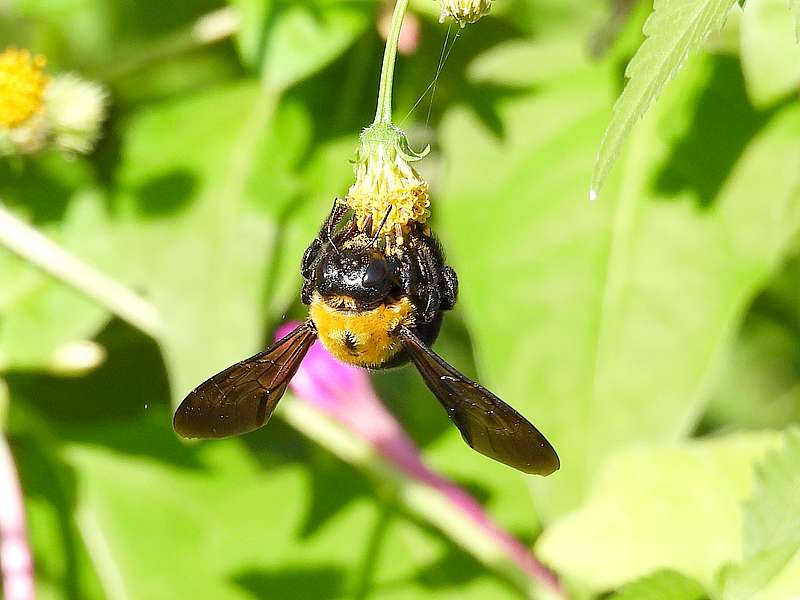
[[659, 508], [202, 188], [604, 323], [288, 41], [770, 52], [674, 30], [771, 531], [663, 585], [246, 523]]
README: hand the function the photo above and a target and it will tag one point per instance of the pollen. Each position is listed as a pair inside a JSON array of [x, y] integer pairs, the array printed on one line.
[[22, 86], [388, 191]]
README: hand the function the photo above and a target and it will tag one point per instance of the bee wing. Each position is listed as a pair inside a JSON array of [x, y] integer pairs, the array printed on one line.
[[486, 423], [242, 397]]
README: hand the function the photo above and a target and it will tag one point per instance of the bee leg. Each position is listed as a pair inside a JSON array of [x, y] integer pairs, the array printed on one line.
[[449, 288], [307, 292], [309, 258], [428, 293], [337, 212]]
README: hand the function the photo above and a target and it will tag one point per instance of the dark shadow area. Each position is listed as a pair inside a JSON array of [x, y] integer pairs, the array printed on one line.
[[759, 382], [722, 125], [107, 154], [123, 405], [42, 187], [484, 99], [166, 194], [313, 583], [131, 382], [334, 486], [452, 568], [354, 108]]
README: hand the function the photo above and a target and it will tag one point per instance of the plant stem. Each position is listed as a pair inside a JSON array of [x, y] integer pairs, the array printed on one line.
[[384, 111], [431, 497], [30, 244]]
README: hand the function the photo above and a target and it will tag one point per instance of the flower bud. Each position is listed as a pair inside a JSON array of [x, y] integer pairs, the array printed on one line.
[[464, 11], [23, 127], [76, 109], [387, 190], [37, 111]]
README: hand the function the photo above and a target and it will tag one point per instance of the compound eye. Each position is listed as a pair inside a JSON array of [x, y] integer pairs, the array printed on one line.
[[376, 273]]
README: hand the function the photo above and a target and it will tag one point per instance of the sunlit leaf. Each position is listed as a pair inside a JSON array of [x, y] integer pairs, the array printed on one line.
[[771, 531], [770, 52], [674, 508], [675, 29], [664, 585]]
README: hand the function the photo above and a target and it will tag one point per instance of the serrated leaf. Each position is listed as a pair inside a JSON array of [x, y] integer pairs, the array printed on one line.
[[674, 30], [770, 52], [659, 508], [771, 530], [663, 585]]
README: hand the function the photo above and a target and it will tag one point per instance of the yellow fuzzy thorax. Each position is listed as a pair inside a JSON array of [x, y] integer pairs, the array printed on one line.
[[386, 183], [362, 338], [22, 85]]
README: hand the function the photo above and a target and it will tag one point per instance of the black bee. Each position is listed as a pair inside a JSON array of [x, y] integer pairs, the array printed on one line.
[[376, 306]]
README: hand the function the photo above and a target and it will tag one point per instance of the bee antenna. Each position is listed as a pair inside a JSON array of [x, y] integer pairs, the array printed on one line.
[[380, 228]]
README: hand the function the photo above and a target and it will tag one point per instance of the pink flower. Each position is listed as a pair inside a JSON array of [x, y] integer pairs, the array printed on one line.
[[345, 393], [410, 32], [16, 564]]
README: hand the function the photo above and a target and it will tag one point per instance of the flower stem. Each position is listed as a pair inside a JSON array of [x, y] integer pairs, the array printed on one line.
[[384, 111], [28, 243]]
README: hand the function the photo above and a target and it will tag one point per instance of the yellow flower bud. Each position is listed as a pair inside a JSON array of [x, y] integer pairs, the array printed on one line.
[[22, 85], [387, 189], [36, 111], [76, 109]]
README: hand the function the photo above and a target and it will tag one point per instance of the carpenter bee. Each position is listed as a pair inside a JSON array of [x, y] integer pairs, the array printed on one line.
[[375, 304]]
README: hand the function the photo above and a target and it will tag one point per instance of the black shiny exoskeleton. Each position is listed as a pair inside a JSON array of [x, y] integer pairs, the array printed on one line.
[[344, 261]]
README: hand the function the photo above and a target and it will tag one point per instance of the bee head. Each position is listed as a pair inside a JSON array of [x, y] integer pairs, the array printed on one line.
[[365, 275]]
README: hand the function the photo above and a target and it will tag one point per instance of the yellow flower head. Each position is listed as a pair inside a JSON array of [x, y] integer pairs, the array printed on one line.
[[387, 189], [464, 11], [22, 86]]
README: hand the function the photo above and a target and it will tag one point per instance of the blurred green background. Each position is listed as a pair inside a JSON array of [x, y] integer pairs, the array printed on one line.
[[653, 335]]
